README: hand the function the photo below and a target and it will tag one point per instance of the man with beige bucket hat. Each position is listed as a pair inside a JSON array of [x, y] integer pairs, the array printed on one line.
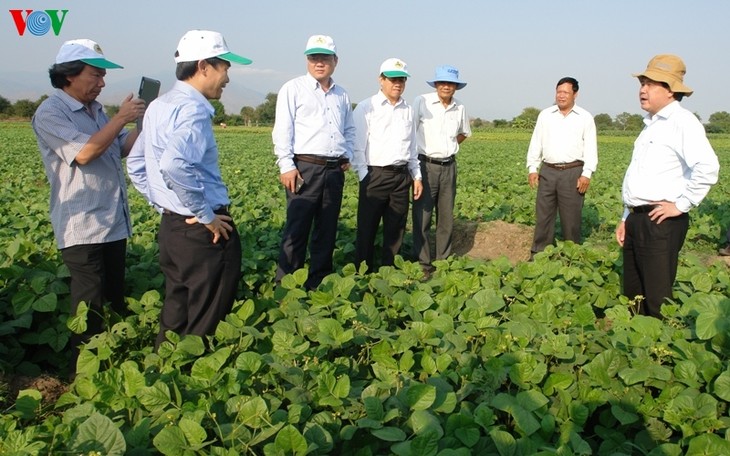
[[672, 168]]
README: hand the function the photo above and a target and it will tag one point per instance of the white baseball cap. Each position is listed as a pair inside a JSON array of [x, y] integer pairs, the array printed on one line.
[[320, 44], [203, 44], [394, 68], [86, 51]]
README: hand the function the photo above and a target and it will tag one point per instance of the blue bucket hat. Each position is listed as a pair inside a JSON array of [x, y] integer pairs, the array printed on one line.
[[447, 73]]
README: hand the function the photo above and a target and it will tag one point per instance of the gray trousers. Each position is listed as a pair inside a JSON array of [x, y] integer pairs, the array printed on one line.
[[439, 192], [557, 194]]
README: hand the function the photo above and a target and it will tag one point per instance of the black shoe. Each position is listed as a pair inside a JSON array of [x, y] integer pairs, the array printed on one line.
[[724, 251]]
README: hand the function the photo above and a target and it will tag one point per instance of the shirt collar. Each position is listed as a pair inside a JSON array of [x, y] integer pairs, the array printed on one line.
[[382, 99], [74, 104], [665, 112], [316, 85], [573, 109], [192, 92]]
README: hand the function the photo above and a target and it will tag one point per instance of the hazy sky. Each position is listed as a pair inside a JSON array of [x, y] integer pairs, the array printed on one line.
[[511, 52]]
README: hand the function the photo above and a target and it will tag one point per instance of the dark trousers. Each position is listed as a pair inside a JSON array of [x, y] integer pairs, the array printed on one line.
[[201, 278], [557, 194], [384, 195], [439, 192], [314, 210], [97, 277], [651, 254]]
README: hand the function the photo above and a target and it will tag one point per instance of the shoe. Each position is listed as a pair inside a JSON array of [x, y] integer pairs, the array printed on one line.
[[725, 251]]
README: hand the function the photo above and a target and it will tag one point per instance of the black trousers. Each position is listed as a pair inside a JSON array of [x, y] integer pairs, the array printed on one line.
[[97, 277], [201, 278], [311, 217], [439, 193], [651, 255], [557, 195], [384, 195]]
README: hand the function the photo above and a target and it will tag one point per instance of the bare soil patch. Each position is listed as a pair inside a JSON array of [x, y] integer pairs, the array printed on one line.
[[51, 388], [492, 240]]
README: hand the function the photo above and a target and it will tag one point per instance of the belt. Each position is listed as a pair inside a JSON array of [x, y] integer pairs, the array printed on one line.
[[220, 210], [562, 166], [393, 168], [437, 161], [642, 209], [328, 162]]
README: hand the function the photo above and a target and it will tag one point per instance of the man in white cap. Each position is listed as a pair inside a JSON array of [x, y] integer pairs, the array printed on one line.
[[672, 169], [441, 126], [82, 151], [313, 135], [386, 162], [175, 166], [564, 148]]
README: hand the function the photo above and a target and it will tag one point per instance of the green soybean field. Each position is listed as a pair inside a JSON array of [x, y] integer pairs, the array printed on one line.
[[486, 357]]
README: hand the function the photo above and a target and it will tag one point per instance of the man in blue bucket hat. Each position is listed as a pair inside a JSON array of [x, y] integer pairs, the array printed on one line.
[[441, 126]]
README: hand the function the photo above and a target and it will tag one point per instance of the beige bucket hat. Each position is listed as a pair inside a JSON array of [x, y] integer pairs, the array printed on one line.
[[670, 69]]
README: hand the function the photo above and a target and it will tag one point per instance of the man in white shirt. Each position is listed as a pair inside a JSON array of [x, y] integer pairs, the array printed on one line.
[[313, 136], [386, 163], [672, 169], [441, 126], [564, 148]]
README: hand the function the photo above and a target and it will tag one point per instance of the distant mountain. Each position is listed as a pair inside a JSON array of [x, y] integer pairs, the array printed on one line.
[[27, 85]]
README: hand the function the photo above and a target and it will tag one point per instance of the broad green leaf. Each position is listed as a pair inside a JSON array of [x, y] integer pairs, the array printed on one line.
[[504, 441], [389, 434], [98, 433], [421, 421], [133, 378], [420, 396], [708, 445], [77, 323], [193, 431], [28, 403], [249, 362], [290, 441], [426, 444], [624, 416], [490, 301], [46, 303], [154, 397], [374, 408], [170, 441], [207, 367], [721, 386]]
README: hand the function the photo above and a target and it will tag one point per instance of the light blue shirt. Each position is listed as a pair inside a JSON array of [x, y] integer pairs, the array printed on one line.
[[311, 121], [174, 162], [88, 202]]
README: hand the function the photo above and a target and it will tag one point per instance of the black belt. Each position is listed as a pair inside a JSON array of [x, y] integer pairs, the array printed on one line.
[[437, 161], [220, 210], [642, 209], [329, 162], [393, 168], [562, 166]]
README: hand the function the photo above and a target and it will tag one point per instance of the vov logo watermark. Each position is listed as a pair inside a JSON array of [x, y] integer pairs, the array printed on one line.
[[38, 22]]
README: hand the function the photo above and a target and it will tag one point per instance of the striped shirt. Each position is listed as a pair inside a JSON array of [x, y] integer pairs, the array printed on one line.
[[89, 202]]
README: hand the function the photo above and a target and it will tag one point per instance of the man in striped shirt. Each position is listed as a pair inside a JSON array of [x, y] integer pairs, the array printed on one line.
[[82, 151]]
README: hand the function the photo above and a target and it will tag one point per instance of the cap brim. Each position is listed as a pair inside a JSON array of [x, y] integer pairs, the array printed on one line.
[[396, 74], [101, 63], [235, 58], [318, 51]]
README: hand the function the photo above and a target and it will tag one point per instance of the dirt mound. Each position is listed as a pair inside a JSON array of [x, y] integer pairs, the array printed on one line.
[[51, 388], [491, 240]]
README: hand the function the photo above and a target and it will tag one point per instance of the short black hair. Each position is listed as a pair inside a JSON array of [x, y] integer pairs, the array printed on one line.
[[186, 70], [59, 72], [572, 81], [676, 95]]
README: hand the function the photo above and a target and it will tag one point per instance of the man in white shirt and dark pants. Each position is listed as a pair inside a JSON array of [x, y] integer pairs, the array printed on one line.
[[564, 148], [441, 126], [672, 169], [386, 163], [313, 135]]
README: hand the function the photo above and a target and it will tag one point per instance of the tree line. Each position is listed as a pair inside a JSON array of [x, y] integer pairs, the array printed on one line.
[[263, 115]]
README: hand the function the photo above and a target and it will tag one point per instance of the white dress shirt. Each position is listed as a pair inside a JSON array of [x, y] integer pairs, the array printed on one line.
[[384, 135], [672, 161], [437, 126], [311, 121], [564, 139]]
